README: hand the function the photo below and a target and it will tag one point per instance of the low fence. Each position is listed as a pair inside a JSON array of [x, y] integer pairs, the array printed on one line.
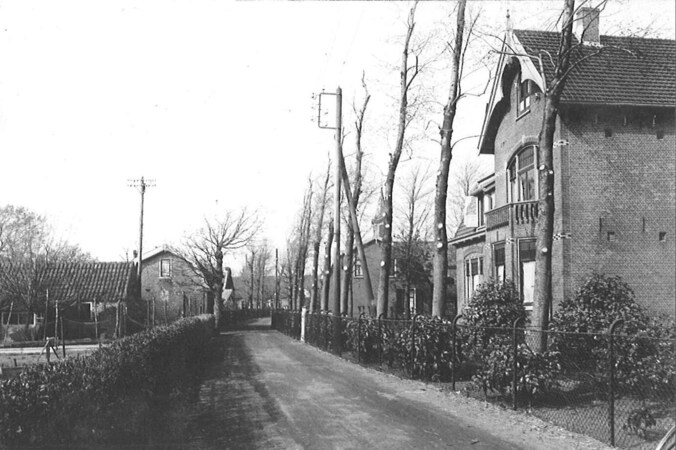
[[617, 388]]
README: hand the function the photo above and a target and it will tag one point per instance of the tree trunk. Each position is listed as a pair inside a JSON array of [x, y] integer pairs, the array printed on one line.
[[544, 230], [326, 286], [346, 280], [440, 263], [388, 188], [314, 293], [218, 288]]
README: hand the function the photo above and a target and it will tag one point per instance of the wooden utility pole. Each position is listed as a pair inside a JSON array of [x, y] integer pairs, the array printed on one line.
[[141, 184], [335, 300]]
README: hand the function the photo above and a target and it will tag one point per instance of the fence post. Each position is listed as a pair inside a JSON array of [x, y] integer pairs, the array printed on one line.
[[326, 330], [412, 355], [515, 375], [611, 384], [359, 324], [453, 352], [303, 323], [380, 339]]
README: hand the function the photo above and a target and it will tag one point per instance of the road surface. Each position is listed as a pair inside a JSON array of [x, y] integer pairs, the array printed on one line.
[[268, 391]]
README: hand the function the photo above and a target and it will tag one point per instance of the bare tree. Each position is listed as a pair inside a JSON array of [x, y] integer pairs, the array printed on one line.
[[356, 194], [441, 245], [411, 247], [407, 75], [463, 179], [205, 248], [323, 200], [326, 284], [544, 229], [303, 233]]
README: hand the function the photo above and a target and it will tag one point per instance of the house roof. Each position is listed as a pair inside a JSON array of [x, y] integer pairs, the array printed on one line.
[[626, 70], [621, 71], [158, 251], [97, 281]]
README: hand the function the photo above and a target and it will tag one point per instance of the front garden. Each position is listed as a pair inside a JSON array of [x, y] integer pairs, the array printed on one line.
[[617, 388]]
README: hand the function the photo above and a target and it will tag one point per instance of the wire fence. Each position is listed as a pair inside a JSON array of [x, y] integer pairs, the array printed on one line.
[[616, 388]]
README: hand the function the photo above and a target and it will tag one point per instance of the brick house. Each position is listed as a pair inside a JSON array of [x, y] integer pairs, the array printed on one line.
[[419, 298], [92, 297], [169, 288], [614, 165]]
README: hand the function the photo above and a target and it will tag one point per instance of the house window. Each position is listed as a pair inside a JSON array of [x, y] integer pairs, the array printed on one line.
[[481, 210], [165, 268], [474, 275], [522, 184], [526, 90], [395, 267], [357, 270], [499, 262], [527, 271], [412, 305]]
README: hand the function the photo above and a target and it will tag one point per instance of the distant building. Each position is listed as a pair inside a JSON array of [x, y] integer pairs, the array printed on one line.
[[614, 165], [169, 288], [417, 298], [91, 297]]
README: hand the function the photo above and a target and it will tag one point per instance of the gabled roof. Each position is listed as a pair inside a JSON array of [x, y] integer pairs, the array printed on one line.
[[97, 281], [626, 71], [158, 251], [621, 71]]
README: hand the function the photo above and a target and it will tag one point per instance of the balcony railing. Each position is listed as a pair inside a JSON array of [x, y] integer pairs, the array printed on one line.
[[518, 213]]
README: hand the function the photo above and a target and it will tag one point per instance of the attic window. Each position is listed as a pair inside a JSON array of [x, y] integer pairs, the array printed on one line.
[[526, 90]]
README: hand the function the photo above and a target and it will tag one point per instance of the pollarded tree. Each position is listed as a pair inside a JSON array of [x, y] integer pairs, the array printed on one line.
[[408, 72], [458, 49], [205, 248]]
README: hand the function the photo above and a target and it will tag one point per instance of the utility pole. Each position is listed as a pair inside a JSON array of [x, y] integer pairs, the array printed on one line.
[[335, 301], [141, 184]]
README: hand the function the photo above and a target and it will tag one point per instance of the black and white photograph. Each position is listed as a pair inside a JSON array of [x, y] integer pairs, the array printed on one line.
[[328, 224]]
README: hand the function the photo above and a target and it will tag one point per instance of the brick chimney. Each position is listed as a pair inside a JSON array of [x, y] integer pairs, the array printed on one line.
[[586, 26]]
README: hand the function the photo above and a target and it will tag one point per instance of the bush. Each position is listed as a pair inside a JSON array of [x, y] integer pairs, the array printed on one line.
[[74, 400], [490, 315], [488, 344], [643, 353]]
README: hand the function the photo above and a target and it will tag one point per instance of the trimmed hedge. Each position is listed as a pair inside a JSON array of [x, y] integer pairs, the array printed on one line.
[[85, 399]]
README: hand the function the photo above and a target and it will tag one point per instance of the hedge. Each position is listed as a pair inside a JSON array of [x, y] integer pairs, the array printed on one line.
[[84, 399]]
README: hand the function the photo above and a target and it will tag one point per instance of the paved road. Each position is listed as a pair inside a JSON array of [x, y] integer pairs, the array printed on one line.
[[268, 391]]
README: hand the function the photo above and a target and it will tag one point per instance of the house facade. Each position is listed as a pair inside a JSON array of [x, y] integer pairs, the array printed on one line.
[[614, 166], [92, 300], [169, 288], [414, 295]]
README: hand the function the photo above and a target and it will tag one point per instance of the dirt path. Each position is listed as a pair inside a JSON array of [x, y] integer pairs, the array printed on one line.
[[268, 391]]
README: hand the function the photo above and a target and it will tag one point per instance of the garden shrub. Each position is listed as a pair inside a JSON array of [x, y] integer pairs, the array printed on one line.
[[489, 316], [643, 354], [488, 346], [80, 399]]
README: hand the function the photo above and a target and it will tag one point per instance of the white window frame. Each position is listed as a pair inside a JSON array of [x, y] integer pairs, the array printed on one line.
[[162, 274], [515, 162]]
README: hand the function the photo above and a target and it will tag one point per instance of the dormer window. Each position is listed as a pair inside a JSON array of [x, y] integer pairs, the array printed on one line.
[[526, 90], [522, 175]]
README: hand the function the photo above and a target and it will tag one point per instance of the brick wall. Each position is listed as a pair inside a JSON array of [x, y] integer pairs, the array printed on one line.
[[623, 184], [169, 291]]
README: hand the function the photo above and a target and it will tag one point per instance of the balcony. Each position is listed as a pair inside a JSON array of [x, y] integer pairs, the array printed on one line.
[[517, 213]]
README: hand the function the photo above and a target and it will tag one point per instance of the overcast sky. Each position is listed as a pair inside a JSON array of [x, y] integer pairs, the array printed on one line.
[[212, 99]]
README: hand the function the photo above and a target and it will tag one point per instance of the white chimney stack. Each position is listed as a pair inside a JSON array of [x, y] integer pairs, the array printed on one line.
[[586, 26]]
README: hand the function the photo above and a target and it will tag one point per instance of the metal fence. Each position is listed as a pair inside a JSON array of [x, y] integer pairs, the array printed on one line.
[[617, 388]]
